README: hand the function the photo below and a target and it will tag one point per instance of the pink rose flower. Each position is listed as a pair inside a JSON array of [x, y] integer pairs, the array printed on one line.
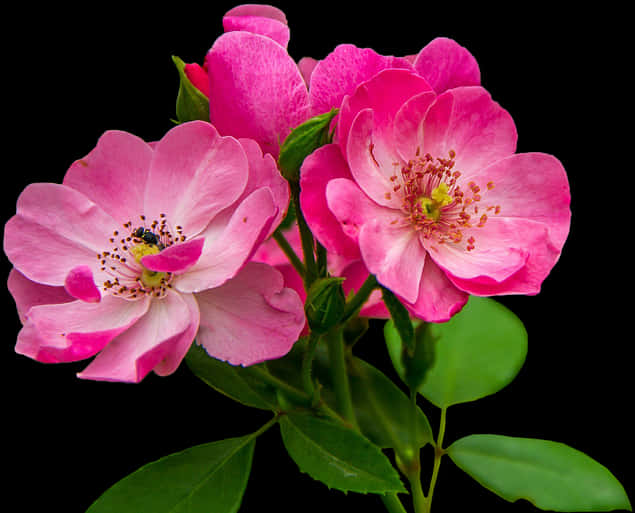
[[428, 189], [144, 247]]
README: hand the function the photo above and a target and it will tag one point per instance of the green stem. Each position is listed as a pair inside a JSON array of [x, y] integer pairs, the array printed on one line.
[[355, 304], [266, 426], [392, 503], [307, 364], [297, 395], [305, 236], [337, 360], [289, 252], [438, 454], [414, 467]]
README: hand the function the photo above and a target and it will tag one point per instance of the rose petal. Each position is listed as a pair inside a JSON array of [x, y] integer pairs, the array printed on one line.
[[323, 165], [80, 284], [395, 256], [157, 339], [175, 259], [467, 121], [194, 175], [114, 175], [27, 294], [251, 318], [228, 247], [445, 64], [56, 229], [73, 331], [257, 88]]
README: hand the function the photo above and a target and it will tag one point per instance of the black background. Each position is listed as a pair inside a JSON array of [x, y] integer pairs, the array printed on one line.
[[70, 73]]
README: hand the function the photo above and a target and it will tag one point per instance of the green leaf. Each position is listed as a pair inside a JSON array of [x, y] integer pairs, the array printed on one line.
[[238, 383], [384, 413], [550, 475], [400, 318], [191, 104], [411, 366], [204, 478], [477, 352], [302, 141], [338, 457]]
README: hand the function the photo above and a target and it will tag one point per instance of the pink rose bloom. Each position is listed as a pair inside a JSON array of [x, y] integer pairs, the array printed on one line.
[[427, 188], [145, 247], [353, 270]]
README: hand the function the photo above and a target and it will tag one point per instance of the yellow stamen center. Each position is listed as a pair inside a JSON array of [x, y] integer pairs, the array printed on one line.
[[148, 278], [431, 207]]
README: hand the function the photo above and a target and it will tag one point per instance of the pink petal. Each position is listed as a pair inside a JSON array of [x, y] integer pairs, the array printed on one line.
[[55, 230], [74, 331], [395, 256], [468, 121], [267, 27], [257, 88], [445, 64], [500, 251], [232, 245], [352, 208], [438, 299], [323, 165], [157, 339], [28, 294], [269, 252], [194, 175], [114, 175], [198, 76], [372, 171], [384, 93], [306, 65], [260, 10], [342, 71], [408, 125], [263, 172], [175, 259], [80, 284], [250, 318], [355, 274], [530, 186], [542, 255]]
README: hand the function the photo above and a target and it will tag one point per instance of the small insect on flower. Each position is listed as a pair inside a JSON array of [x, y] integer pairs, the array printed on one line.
[[148, 237]]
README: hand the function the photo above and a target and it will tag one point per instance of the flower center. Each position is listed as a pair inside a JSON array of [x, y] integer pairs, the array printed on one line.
[[434, 202], [129, 279]]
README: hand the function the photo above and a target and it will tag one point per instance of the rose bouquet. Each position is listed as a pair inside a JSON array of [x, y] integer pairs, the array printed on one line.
[[292, 205]]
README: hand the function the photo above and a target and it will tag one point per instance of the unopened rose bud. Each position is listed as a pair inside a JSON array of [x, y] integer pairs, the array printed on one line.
[[325, 304]]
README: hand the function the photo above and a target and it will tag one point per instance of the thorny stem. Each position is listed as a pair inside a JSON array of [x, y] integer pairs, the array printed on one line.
[[290, 253]]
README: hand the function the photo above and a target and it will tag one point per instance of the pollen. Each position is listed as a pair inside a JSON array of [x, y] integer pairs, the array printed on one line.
[[438, 202], [127, 277]]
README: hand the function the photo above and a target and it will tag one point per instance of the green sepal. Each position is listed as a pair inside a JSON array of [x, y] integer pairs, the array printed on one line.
[[302, 141], [204, 478], [325, 302], [550, 475], [338, 457], [191, 104]]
